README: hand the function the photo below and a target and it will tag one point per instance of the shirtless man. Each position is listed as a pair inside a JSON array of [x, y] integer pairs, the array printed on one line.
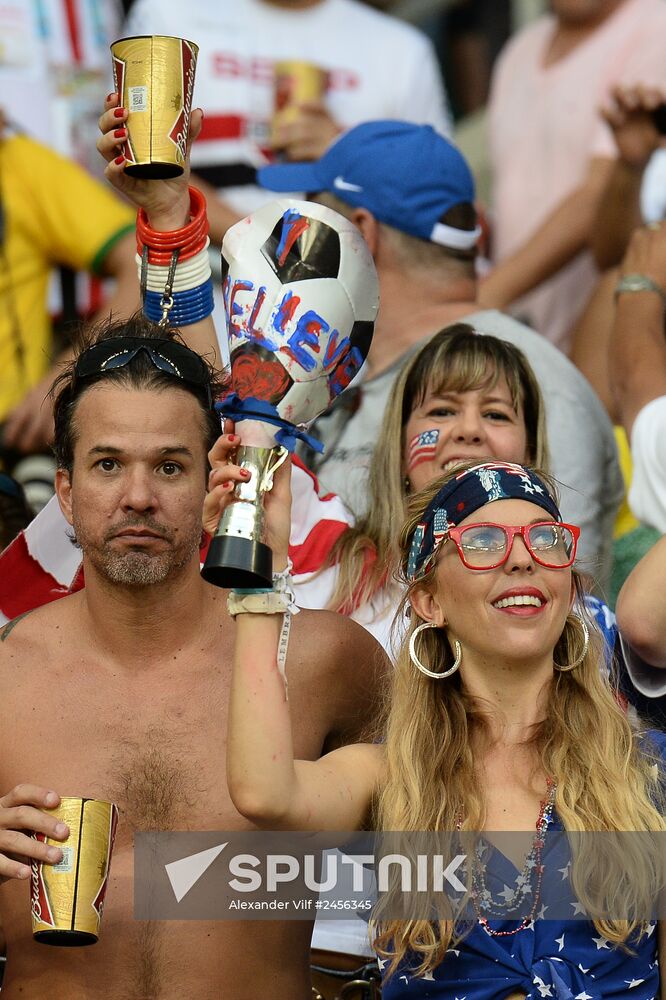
[[120, 692]]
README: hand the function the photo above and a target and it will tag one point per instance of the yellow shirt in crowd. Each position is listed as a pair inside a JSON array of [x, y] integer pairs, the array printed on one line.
[[51, 213]]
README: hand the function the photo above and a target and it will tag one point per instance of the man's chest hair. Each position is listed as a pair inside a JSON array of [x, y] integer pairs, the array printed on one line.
[[160, 756], [161, 760], [162, 779]]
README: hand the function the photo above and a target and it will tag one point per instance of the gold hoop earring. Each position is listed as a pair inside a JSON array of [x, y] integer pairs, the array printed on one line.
[[586, 642], [406, 485], [438, 675]]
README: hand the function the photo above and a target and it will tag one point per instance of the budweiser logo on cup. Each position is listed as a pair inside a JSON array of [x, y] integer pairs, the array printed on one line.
[[68, 898], [154, 76]]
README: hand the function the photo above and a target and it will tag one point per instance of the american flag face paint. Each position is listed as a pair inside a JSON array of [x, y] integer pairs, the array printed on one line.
[[422, 448]]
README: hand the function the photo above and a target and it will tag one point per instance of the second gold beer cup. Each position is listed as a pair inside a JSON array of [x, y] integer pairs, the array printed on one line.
[[154, 76], [68, 898], [296, 82]]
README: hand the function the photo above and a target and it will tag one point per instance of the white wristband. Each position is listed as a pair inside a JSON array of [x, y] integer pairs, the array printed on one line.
[[190, 274], [268, 603], [283, 584]]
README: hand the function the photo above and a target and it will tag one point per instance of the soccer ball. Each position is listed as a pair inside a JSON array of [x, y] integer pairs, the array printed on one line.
[[300, 295]]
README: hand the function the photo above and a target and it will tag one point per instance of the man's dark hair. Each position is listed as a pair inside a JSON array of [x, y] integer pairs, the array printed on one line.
[[139, 373]]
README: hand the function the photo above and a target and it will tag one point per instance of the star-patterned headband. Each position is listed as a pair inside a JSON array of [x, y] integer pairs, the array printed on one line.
[[465, 493]]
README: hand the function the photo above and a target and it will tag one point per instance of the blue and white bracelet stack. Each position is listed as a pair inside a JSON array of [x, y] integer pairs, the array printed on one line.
[[191, 290]]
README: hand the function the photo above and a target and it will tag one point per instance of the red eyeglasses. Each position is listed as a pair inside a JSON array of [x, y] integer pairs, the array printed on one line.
[[486, 546]]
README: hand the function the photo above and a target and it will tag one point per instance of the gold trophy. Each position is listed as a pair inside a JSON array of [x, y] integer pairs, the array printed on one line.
[[237, 556], [301, 295]]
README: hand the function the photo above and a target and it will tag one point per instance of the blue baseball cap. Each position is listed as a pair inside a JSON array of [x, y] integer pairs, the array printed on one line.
[[407, 175]]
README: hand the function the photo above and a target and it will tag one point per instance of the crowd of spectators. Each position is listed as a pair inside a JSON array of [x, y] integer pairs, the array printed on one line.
[[517, 370]]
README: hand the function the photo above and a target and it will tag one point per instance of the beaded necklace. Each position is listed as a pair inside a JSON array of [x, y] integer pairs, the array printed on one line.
[[481, 895]]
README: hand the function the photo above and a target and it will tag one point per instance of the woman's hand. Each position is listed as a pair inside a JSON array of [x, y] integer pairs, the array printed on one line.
[[226, 474], [166, 202], [222, 479]]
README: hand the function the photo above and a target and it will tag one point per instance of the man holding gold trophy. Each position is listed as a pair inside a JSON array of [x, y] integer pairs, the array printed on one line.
[[119, 692]]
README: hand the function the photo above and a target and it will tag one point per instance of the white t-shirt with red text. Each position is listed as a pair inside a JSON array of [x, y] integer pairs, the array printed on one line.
[[378, 67]]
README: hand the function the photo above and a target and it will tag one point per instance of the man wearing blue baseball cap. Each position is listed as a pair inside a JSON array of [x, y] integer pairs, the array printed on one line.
[[411, 193], [371, 167]]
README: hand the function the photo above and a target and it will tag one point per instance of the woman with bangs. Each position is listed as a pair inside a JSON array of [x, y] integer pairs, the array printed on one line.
[[500, 719], [462, 396]]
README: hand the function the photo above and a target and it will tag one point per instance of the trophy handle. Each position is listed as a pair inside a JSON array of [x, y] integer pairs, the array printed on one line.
[[237, 556], [281, 456]]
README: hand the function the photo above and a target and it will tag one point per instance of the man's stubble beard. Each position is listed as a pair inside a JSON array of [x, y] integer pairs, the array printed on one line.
[[138, 568]]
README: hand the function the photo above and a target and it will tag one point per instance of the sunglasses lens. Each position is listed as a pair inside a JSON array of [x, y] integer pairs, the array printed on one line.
[[185, 363], [118, 360], [483, 544], [100, 358], [164, 364]]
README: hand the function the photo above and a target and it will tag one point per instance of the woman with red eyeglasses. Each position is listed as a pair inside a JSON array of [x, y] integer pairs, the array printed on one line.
[[500, 719]]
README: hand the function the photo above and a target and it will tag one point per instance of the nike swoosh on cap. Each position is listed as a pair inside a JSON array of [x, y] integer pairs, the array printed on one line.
[[342, 185]]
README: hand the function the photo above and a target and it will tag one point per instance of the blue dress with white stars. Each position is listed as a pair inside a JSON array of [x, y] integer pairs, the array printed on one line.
[[560, 959]]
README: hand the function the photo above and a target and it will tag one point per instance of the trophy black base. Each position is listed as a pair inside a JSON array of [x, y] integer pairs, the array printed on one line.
[[238, 562]]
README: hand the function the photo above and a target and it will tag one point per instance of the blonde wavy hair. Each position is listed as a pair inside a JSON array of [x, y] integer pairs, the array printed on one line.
[[457, 359], [606, 782]]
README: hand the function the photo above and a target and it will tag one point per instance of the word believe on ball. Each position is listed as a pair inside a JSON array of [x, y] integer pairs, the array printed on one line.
[[301, 296]]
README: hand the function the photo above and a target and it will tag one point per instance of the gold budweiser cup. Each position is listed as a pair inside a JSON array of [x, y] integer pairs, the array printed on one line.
[[68, 898], [295, 83], [154, 75]]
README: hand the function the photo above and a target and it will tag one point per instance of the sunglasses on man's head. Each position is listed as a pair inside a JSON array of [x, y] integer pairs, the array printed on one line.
[[487, 546], [168, 356]]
